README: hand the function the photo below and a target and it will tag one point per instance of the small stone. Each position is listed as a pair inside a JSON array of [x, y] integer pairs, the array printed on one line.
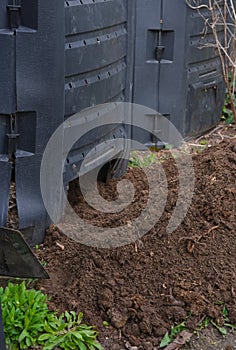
[[106, 299], [130, 347], [127, 345], [118, 318], [148, 346], [134, 341], [145, 327]]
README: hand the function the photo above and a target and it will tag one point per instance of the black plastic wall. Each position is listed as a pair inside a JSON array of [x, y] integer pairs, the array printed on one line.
[[174, 73], [59, 58], [96, 51], [7, 75], [32, 101], [98, 66]]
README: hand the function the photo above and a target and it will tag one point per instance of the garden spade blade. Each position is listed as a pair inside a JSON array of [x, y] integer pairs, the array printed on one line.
[[16, 257]]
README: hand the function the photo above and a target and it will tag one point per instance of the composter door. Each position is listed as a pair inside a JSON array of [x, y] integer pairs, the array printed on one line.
[[175, 73], [147, 67]]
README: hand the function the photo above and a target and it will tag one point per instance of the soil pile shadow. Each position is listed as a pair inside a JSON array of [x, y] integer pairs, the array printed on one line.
[[142, 289]]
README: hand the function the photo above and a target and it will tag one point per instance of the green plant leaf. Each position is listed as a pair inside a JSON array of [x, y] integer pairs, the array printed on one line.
[[22, 336], [203, 142], [221, 329], [166, 340], [230, 325], [77, 335], [81, 345], [80, 317], [91, 347], [97, 345], [177, 329], [169, 147], [44, 336]]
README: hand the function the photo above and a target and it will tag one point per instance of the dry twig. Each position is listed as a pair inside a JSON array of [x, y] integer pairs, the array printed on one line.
[[196, 239]]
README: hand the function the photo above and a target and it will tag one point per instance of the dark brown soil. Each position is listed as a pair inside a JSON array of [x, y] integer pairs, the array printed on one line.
[[142, 289]]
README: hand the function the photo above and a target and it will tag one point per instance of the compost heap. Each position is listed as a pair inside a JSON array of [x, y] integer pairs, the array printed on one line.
[[142, 289]]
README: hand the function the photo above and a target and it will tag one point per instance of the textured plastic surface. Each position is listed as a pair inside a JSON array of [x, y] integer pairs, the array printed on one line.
[[96, 49], [7, 72], [32, 102], [39, 100], [98, 67], [59, 58], [174, 74]]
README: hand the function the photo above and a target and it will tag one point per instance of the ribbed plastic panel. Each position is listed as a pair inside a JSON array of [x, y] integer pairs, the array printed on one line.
[[96, 52]]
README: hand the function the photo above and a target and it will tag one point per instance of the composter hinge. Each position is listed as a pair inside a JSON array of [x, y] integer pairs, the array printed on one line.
[[159, 49], [14, 12]]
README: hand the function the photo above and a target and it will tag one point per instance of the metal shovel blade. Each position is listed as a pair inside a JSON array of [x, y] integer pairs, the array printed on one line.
[[16, 257]]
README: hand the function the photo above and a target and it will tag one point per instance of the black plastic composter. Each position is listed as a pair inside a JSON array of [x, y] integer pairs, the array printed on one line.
[[58, 57]]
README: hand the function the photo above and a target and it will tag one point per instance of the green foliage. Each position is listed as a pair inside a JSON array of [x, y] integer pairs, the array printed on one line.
[[203, 142], [142, 161], [166, 340], [67, 332], [28, 322], [169, 337], [168, 147], [221, 328], [226, 318], [228, 115], [24, 312]]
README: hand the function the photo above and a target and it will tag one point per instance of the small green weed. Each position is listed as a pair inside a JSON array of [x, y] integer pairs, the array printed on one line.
[[203, 142], [168, 147], [142, 161], [28, 322], [226, 319], [170, 336], [221, 328], [228, 114]]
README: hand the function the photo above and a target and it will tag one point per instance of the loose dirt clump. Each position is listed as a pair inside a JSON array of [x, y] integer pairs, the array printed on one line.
[[144, 288]]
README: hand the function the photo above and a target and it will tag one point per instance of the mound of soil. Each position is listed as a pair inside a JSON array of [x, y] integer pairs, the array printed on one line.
[[142, 289]]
